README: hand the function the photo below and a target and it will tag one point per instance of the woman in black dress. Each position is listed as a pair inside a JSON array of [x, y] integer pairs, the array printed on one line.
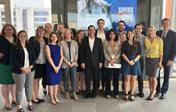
[[80, 71], [131, 53], [7, 38]]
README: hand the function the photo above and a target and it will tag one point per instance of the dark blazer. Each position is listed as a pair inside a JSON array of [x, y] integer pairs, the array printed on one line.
[[35, 46], [91, 58], [19, 57], [6, 49], [169, 48], [106, 33]]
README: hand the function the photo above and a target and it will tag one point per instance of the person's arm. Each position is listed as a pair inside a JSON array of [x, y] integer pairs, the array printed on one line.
[[76, 54], [118, 52], [173, 50], [82, 53], [1, 55], [138, 53], [64, 59], [160, 53], [48, 55], [15, 60], [101, 54], [32, 56], [105, 46], [1, 43], [61, 59]]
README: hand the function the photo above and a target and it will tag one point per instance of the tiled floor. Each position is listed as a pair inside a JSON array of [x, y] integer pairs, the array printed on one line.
[[101, 104]]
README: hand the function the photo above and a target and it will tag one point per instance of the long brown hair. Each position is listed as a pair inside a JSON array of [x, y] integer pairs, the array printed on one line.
[[8, 25], [38, 28], [79, 31], [18, 43], [135, 43], [53, 33]]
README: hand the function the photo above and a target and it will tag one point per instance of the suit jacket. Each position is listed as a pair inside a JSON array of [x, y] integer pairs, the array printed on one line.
[[169, 49], [94, 57], [19, 56], [35, 46], [106, 34], [73, 51], [110, 53], [6, 48]]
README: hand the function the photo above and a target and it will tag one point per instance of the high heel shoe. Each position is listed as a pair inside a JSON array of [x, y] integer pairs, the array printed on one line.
[[149, 98], [53, 102], [36, 101], [30, 107], [57, 100], [126, 97], [40, 100], [20, 110], [14, 102], [132, 98], [8, 107]]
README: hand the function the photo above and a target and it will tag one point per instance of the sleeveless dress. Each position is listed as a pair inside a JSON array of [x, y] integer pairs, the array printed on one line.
[[53, 78]]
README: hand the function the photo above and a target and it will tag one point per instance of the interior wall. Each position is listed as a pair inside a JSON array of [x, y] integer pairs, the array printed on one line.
[[156, 13], [143, 9]]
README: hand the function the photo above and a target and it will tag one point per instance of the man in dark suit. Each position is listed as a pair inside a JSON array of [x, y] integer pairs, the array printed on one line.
[[91, 60], [169, 53]]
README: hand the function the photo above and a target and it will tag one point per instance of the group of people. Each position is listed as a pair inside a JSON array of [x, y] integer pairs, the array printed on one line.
[[89, 62]]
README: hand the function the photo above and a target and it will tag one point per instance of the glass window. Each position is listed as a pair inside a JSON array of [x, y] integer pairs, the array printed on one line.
[[26, 13], [41, 13], [40, 19], [2, 15]]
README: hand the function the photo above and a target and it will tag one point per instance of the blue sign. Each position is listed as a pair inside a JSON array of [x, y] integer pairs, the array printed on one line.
[[112, 11]]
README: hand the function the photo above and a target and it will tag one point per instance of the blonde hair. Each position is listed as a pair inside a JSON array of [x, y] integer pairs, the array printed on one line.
[[151, 27], [68, 30]]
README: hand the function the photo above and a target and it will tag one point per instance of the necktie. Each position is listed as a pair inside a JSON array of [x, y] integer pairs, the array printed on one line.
[[164, 35]]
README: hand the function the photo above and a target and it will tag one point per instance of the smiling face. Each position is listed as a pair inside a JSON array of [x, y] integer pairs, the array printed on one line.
[[101, 24], [112, 35], [22, 37], [60, 27], [53, 38], [40, 32], [91, 31], [130, 35], [80, 35], [48, 27], [138, 29], [166, 25], [121, 26], [8, 30], [67, 34], [151, 32]]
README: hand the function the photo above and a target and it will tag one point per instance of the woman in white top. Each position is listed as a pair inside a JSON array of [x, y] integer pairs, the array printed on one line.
[[23, 70]]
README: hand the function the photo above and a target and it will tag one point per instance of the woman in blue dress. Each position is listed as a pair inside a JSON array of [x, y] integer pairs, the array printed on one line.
[[54, 61]]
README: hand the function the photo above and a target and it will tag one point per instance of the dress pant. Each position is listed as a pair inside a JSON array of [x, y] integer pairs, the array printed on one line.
[[109, 73], [140, 77], [69, 73], [91, 73], [23, 81], [102, 77], [165, 86]]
